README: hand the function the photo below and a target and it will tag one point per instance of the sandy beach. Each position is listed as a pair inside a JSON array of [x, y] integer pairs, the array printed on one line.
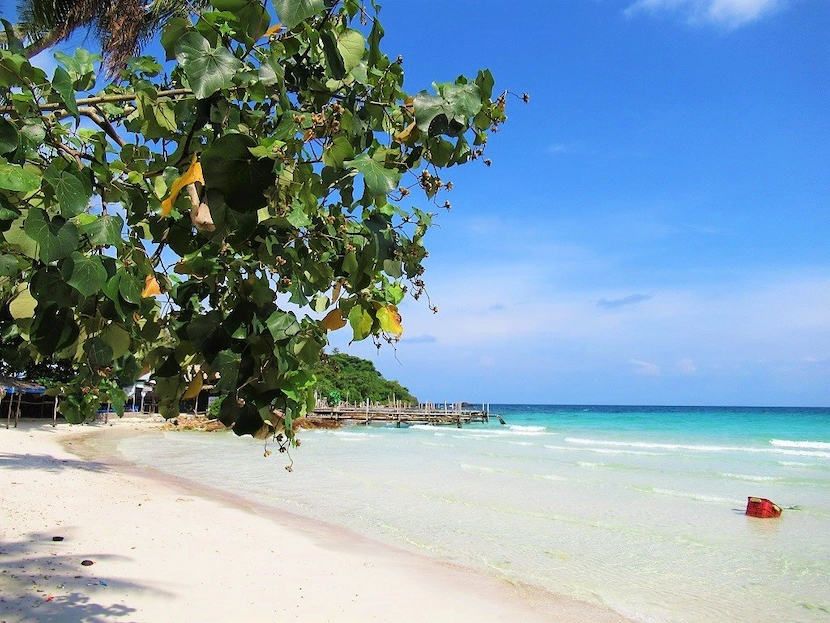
[[163, 549]]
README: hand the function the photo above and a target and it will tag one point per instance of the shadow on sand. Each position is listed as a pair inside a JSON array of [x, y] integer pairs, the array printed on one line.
[[41, 584], [47, 462]]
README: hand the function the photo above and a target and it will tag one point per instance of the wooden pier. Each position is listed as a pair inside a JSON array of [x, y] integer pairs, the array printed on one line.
[[407, 415]]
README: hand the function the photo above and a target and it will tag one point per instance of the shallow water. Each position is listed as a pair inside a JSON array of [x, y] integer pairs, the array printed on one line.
[[640, 509]]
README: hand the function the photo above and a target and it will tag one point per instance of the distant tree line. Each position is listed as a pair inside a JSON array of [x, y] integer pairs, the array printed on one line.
[[344, 377]]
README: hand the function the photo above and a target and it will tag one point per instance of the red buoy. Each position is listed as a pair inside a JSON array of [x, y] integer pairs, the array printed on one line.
[[760, 507]]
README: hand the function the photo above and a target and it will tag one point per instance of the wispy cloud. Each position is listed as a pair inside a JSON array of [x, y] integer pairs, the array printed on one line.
[[644, 368], [686, 366], [728, 13], [424, 338], [626, 300]]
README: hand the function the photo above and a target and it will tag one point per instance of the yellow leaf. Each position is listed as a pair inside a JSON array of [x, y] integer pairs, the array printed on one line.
[[390, 320], [194, 388], [193, 174], [333, 321], [408, 135], [272, 31], [23, 305], [151, 287]]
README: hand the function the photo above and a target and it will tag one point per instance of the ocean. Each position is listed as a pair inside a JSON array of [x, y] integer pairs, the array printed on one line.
[[639, 509]]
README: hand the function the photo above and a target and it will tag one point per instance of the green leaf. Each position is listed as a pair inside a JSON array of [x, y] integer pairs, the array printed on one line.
[[118, 398], [63, 84], [307, 350], [104, 231], [282, 325], [7, 211], [393, 268], [292, 12], [226, 364], [98, 352], [450, 110], [229, 5], [57, 238], [9, 137], [352, 47], [242, 178], [86, 273], [333, 58], [118, 339], [375, 37], [379, 180], [361, 322], [12, 42], [70, 191], [33, 131], [254, 20], [48, 285], [337, 152], [298, 218], [110, 288], [130, 288], [81, 67], [485, 83], [19, 240], [53, 329], [271, 71], [465, 99], [8, 265], [157, 119], [207, 69], [173, 31], [17, 178]]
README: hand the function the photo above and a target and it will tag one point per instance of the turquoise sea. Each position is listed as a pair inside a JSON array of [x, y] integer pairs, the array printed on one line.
[[640, 509]]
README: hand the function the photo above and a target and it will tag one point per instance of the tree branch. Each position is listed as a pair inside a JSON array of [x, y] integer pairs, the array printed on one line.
[[102, 122], [100, 99]]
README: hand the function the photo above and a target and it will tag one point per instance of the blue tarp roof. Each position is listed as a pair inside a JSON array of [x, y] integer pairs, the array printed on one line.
[[13, 386]]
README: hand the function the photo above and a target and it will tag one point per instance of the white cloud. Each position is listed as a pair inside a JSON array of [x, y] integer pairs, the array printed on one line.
[[729, 13], [632, 299], [686, 366], [645, 368]]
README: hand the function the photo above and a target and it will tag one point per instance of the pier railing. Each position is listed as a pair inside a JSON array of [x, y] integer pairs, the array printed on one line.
[[428, 413]]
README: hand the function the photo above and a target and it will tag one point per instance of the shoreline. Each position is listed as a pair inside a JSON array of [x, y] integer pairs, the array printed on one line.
[[163, 546]]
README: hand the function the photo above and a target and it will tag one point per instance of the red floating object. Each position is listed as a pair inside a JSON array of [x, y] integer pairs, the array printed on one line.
[[760, 507]]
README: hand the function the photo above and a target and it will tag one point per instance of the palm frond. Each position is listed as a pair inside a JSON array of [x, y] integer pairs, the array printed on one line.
[[122, 26]]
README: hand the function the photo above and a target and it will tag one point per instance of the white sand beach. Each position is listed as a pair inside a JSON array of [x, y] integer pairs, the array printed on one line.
[[166, 550]]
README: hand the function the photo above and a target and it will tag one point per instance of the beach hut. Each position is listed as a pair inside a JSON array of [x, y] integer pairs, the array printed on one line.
[[15, 389]]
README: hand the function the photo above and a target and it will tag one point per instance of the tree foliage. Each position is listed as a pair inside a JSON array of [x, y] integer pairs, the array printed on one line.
[[121, 25], [345, 377], [210, 215]]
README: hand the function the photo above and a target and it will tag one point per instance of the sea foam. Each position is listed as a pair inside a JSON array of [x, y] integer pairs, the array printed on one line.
[[812, 445]]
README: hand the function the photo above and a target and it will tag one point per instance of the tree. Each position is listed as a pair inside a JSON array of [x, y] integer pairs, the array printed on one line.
[[121, 25], [194, 218], [356, 379]]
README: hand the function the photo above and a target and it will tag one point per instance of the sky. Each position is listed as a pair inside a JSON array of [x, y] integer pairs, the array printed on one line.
[[654, 227]]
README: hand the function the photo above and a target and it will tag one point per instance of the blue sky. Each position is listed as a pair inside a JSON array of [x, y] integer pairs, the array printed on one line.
[[654, 227]]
